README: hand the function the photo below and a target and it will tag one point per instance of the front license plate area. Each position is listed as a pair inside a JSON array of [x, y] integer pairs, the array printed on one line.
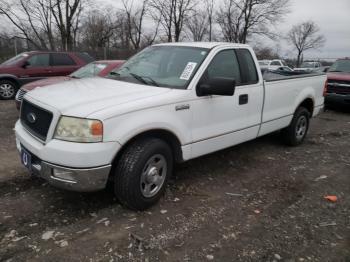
[[26, 159]]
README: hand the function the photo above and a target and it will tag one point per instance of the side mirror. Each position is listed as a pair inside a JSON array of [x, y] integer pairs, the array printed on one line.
[[221, 86], [326, 70], [25, 64]]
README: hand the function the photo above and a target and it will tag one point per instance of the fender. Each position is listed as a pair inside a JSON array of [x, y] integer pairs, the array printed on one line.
[[306, 93], [125, 127]]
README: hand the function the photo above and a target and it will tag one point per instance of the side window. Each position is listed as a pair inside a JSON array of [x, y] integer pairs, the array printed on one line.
[[61, 60], [248, 68], [39, 60], [224, 64]]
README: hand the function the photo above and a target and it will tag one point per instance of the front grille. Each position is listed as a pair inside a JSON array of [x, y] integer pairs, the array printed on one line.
[[338, 87], [35, 119], [20, 94]]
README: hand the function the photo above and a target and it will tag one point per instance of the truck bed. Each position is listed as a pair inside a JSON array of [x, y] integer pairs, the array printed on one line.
[[278, 76]]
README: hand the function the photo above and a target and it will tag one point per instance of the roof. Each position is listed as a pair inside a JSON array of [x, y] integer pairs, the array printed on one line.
[[208, 45], [56, 52]]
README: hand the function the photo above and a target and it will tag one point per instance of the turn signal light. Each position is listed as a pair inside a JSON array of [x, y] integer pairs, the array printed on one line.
[[96, 128]]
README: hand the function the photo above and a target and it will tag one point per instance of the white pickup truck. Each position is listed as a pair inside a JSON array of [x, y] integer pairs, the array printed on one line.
[[167, 104]]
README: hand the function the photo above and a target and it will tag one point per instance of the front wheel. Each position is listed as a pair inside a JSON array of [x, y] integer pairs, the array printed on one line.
[[142, 172], [8, 89], [295, 133]]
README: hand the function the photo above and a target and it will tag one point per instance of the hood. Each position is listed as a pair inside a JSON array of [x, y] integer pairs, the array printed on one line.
[[45, 82], [340, 76], [82, 97]]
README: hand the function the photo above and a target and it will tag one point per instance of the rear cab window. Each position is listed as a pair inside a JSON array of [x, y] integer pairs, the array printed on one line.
[[249, 73]]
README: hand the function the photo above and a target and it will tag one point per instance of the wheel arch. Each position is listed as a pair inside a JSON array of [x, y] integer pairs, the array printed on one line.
[[10, 78], [169, 137], [309, 104]]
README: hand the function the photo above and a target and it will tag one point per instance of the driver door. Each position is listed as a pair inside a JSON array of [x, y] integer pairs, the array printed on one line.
[[223, 121], [36, 67]]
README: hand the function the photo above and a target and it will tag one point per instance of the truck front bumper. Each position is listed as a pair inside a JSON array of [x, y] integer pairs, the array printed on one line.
[[80, 180], [82, 167], [338, 99]]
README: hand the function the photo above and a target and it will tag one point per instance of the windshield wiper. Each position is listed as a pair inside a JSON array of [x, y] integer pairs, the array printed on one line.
[[152, 80], [139, 78], [142, 79], [112, 73]]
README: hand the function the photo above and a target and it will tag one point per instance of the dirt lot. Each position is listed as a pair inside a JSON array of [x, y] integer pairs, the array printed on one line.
[[260, 201]]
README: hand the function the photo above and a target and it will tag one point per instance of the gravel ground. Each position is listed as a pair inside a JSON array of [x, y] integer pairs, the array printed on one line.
[[259, 201]]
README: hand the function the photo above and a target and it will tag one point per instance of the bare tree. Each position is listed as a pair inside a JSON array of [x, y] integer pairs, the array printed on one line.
[[198, 25], [32, 19], [209, 6], [163, 12], [240, 19], [66, 14], [305, 36], [39, 21], [264, 52], [120, 38], [135, 18], [172, 15], [97, 29]]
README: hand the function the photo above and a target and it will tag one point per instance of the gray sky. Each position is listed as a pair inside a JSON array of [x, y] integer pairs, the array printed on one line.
[[333, 18]]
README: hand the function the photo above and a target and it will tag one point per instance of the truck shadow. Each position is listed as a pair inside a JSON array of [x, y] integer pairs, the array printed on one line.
[[70, 207]]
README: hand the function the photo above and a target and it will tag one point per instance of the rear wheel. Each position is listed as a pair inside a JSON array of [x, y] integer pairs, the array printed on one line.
[[296, 132], [142, 173], [8, 89]]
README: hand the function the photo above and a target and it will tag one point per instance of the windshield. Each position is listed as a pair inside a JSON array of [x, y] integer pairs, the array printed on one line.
[[90, 70], [340, 66], [308, 65], [165, 66], [15, 60]]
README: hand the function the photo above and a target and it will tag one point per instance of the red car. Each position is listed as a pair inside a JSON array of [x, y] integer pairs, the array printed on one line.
[[97, 68], [338, 89], [31, 66]]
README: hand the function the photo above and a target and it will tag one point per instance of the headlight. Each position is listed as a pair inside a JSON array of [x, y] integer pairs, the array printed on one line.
[[79, 130]]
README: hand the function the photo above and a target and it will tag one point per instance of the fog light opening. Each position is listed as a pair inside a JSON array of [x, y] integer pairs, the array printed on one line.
[[63, 174]]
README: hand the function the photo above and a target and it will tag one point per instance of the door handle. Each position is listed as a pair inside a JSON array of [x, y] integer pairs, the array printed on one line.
[[243, 99]]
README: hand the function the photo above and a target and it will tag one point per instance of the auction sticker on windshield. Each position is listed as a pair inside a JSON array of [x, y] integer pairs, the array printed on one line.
[[186, 74]]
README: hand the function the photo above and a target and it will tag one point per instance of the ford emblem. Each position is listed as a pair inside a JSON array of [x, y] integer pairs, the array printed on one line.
[[31, 117]]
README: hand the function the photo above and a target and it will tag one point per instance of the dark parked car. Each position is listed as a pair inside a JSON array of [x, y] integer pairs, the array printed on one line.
[[31, 66], [338, 89], [97, 68]]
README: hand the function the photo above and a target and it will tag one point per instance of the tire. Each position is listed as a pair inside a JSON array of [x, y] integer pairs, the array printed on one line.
[[8, 89], [295, 133], [142, 172]]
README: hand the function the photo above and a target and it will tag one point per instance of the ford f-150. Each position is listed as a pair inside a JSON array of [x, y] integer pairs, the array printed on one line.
[[169, 103]]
